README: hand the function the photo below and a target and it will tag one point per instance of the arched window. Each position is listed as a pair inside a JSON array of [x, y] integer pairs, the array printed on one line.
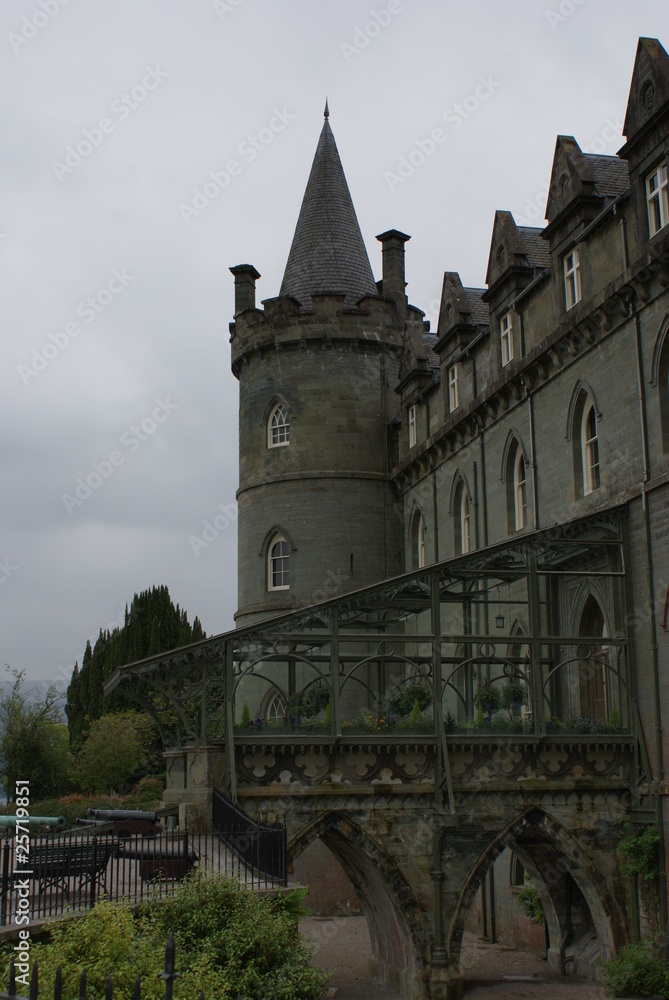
[[462, 524], [513, 472], [278, 564], [582, 431], [520, 491], [278, 427], [276, 707], [589, 449], [418, 541], [593, 674], [660, 378]]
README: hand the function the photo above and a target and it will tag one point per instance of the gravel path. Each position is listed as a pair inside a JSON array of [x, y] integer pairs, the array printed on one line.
[[342, 944]]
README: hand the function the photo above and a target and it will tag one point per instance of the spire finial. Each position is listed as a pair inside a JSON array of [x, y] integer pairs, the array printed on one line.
[[326, 113]]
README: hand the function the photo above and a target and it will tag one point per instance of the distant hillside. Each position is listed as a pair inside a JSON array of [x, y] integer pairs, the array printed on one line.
[[152, 625]]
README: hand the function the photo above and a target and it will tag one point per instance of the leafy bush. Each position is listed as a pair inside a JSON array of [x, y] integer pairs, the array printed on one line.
[[514, 694], [637, 969], [311, 701], [640, 853], [228, 939], [116, 746], [403, 698], [528, 898], [488, 699]]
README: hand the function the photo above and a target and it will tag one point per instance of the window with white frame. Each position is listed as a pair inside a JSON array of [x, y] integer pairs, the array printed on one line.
[[506, 338], [278, 427], [412, 426], [278, 564], [590, 449], [657, 199], [453, 391], [572, 278], [519, 490]]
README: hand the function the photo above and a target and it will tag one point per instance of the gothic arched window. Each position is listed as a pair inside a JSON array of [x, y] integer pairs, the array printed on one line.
[[278, 427], [463, 537], [589, 449], [593, 674], [418, 541], [278, 564]]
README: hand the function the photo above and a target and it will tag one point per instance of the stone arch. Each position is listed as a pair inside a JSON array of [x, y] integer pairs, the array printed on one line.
[[563, 853], [397, 925]]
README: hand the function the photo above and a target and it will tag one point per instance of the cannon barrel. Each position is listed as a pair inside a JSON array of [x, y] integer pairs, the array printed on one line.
[[122, 814], [11, 821]]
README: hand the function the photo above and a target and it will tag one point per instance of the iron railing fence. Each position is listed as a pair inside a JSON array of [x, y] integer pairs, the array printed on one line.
[[261, 847], [68, 872], [168, 976]]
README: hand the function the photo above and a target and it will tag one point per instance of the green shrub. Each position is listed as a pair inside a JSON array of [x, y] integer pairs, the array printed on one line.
[[488, 699], [514, 694], [228, 939], [640, 853], [637, 969], [404, 697], [246, 717], [528, 898]]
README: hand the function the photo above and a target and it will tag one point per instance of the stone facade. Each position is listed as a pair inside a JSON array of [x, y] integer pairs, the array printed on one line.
[[500, 486]]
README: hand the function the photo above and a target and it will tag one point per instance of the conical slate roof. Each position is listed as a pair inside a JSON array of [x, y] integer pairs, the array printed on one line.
[[328, 253]]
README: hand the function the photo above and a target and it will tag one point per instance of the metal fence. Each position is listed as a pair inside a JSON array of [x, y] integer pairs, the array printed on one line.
[[62, 873], [260, 847], [168, 977]]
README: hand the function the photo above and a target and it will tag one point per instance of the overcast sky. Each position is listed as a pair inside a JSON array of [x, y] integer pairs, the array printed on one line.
[[119, 410]]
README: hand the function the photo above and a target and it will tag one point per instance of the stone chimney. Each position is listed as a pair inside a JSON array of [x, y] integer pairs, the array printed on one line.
[[245, 287], [393, 266]]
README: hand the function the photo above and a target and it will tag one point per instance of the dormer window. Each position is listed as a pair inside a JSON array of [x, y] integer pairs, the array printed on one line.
[[572, 278], [453, 391], [657, 199], [412, 426], [506, 338]]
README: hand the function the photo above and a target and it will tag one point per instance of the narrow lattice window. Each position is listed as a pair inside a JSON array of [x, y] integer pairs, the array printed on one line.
[[278, 427]]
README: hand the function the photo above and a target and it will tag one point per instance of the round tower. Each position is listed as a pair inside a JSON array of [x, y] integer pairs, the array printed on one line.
[[317, 370]]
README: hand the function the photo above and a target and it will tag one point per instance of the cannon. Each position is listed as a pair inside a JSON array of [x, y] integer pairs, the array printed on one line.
[[127, 821], [32, 821]]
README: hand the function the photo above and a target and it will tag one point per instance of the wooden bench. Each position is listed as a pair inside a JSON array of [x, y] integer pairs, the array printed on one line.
[[54, 863]]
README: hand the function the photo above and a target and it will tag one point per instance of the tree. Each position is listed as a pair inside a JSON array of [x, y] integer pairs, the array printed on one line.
[[33, 741], [116, 747], [152, 625]]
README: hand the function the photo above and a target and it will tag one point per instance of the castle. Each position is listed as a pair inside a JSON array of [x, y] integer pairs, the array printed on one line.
[[481, 507]]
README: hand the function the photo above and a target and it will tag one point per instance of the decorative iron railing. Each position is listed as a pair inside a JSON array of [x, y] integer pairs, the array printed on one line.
[[500, 641], [69, 872], [262, 847]]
